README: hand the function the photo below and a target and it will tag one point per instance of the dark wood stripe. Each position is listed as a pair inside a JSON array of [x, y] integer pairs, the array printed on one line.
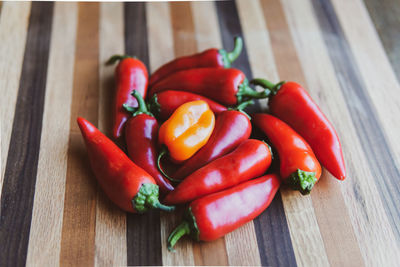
[[363, 114], [79, 218], [229, 24], [143, 231], [273, 236], [386, 16], [21, 167]]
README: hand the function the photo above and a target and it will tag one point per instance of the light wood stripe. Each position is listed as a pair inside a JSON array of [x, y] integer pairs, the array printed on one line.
[[368, 53], [161, 50], [306, 237], [205, 21], [110, 239], [333, 221], [362, 200], [207, 36], [78, 230], [45, 234], [13, 28]]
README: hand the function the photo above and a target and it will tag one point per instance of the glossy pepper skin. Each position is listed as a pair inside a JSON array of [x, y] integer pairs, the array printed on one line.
[[292, 104], [213, 216], [187, 130], [232, 127], [131, 74], [250, 159], [126, 184], [211, 58], [298, 165], [226, 86], [141, 140], [163, 104]]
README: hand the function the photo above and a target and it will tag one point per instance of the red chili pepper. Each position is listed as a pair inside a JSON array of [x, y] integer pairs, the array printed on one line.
[[213, 216], [226, 86], [211, 58], [250, 159], [232, 127], [127, 185], [141, 134], [131, 74], [298, 165], [292, 104], [163, 104]]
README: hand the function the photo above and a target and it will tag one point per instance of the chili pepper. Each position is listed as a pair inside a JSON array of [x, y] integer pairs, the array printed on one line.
[[131, 74], [298, 165], [232, 127], [163, 104], [127, 185], [187, 130], [250, 159], [292, 104], [213, 216], [211, 58], [226, 86], [141, 140]]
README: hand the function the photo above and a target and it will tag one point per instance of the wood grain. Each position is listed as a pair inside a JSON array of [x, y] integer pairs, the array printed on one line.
[[21, 167], [45, 233], [333, 222], [385, 105], [386, 16], [13, 30], [364, 206], [110, 239], [79, 220]]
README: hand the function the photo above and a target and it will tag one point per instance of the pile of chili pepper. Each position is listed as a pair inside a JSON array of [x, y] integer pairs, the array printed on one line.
[[187, 138]]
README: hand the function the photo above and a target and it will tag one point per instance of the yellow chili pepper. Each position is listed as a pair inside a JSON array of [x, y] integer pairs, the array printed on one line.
[[187, 130]]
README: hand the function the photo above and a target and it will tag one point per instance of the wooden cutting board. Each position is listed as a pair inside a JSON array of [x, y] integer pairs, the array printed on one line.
[[52, 70]]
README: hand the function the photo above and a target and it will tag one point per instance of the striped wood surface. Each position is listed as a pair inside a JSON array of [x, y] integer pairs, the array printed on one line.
[[52, 70]]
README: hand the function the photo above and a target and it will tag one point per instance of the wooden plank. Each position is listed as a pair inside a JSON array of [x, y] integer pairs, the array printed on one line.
[[207, 35], [21, 167], [142, 230], [368, 53], [110, 239], [361, 197], [45, 234], [13, 29], [333, 221], [205, 21], [79, 219], [160, 32], [183, 29], [385, 14], [245, 251]]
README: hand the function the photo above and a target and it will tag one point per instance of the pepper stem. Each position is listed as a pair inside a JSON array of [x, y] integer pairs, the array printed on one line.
[[302, 181], [147, 198], [154, 106], [274, 88], [229, 57], [116, 58], [246, 91], [163, 152], [181, 230], [155, 203], [142, 107]]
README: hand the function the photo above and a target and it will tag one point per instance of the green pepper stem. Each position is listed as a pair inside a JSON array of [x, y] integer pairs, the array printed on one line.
[[274, 88], [160, 206], [229, 57], [245, 90], [163, 152], [142, 107], [116, 58], [244, 105], [153, 106], [181, 230], [302, 181]]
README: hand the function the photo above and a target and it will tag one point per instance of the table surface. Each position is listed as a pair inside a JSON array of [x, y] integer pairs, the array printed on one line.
[[345, 53]]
